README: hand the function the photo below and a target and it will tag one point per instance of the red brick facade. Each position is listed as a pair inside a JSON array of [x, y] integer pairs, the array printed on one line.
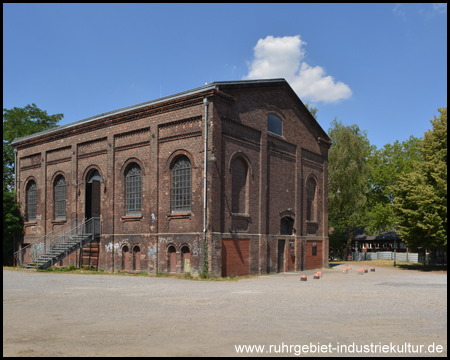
[[268, 174]]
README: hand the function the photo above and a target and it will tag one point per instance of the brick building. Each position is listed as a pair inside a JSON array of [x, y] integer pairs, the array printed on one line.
[[141, 170]]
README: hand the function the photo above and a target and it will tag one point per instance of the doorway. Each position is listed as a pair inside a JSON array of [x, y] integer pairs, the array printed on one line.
[[281, 246], [172, 259], [92, 203]]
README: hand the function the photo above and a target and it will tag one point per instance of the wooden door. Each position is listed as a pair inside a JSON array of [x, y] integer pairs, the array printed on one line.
[[235, 257], [281, 255], [173, 262]]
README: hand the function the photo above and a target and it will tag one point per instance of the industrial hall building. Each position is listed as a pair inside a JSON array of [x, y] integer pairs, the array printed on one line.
[[231, 175]]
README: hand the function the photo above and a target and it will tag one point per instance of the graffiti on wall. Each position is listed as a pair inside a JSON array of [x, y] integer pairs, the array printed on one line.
[[151, 252], [115, 248]]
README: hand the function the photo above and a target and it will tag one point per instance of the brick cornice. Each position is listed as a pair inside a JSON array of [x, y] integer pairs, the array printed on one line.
[[107, 121]]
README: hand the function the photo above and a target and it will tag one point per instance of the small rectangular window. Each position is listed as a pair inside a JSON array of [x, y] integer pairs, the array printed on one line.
[[314, 249]]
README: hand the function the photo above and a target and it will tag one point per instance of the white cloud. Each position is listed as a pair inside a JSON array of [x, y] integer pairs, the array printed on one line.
[[282, 57], [399, 12], [440, 8]]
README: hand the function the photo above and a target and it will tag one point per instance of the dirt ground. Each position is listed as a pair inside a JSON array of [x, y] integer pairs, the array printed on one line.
[[63, 314]]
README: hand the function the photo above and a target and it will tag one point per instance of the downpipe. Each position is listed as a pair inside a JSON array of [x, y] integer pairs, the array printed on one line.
[[205, 167]]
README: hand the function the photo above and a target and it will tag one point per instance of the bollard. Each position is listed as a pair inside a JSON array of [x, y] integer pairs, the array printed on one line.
[[361, 272], [365, 270], [303, 278], [319, 273], [345, 271], [372, 269], [316, 276], [349, 270]]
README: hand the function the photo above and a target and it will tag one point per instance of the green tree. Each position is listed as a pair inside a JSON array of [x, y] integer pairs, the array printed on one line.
[[11, 222], [312, 110], [18, 122], [420, 203], [387, 165], [348, 166]]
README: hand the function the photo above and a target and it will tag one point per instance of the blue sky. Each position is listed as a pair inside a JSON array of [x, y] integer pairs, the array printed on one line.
[[380, 66]]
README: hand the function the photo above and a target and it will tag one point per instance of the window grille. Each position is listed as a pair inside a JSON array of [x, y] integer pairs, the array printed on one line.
[[60, 198], [181, 185], [32, 201], [134, 190]]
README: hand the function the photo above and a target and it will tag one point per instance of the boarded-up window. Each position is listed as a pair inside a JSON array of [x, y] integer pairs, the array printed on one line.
[[311, 200], [172, 259], [125, 258], [185, 259], [136, 258], [239, 176]]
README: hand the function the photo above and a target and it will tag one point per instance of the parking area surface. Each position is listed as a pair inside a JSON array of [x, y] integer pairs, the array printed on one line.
[[63, 314]]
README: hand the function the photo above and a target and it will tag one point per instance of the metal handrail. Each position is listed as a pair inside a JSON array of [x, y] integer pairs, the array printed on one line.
[[91, 227], [37, 244]]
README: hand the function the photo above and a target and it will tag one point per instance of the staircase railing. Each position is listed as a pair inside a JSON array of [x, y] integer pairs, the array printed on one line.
[[36, 248], [89, 229]]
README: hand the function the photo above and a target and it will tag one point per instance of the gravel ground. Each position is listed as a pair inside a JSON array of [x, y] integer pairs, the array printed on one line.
[[63, 314]]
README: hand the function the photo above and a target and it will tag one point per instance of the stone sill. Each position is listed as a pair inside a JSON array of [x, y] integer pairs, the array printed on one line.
[[131, 218], [179, 215], [57, 222], [240, 216]]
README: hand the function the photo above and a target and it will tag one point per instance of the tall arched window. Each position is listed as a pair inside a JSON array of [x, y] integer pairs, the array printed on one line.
[[134, 190], [181, 185], [239, 186], [311, 200], [31, 201], [60, 198]]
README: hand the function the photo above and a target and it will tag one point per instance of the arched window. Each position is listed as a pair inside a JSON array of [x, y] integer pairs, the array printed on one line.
[[60, 198], [31, 201], [239, 186], [311, 200], [136, 257], [172, 259], [125, 258], [274, 124], [133, 190], [181, 185], [185, 259]]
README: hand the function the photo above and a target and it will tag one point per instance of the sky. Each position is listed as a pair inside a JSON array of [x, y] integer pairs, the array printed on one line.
[[382, 67]]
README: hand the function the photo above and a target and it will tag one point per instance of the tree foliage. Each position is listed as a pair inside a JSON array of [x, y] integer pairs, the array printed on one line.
[[312, 110], [420, 203], [386, 166], [347, 165], [18, 122]]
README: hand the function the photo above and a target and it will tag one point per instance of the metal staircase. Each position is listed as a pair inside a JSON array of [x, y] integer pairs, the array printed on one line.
[[58, 244]]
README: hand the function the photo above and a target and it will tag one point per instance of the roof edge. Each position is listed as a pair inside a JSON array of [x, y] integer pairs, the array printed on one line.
[[194, 91]]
